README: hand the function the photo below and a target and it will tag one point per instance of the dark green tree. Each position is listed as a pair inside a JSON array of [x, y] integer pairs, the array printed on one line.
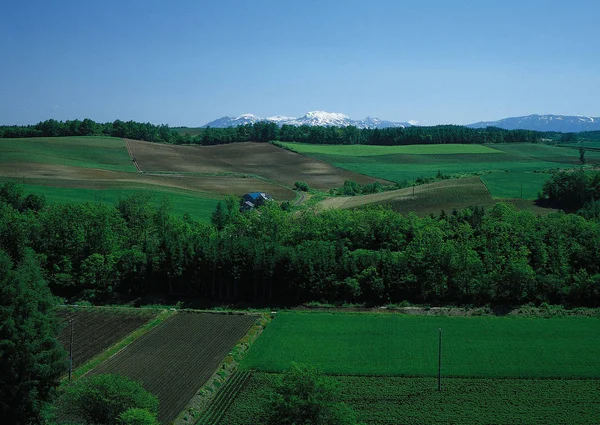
[[303, 186], [104, 400], [219, 217], [31, 359], [306, 397]]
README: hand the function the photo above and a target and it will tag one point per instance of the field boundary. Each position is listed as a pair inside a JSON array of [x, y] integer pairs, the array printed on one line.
[[131, 156]]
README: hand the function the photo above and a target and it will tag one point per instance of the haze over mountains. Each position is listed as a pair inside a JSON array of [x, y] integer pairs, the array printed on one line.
[[561, 123]]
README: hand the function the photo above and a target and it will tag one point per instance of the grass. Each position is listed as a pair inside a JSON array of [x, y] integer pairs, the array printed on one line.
[[106, 153], [395, 400], [371, 150], [196, 205], [400, 345], [524, 185]]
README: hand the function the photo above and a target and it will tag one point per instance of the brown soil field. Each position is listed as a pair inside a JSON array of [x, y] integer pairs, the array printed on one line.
[[93, 178], [261, 159], [96, 329], [176, 358], [432, 198]]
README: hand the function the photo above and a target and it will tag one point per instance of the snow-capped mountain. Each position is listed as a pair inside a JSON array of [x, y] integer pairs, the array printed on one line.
[[234, 121], [313, 118], [562, 123]]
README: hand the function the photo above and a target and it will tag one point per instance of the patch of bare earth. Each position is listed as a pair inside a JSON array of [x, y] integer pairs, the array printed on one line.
[[262, 159]]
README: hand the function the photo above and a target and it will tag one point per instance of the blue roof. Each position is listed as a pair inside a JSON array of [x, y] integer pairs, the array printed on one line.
[[254, 195]]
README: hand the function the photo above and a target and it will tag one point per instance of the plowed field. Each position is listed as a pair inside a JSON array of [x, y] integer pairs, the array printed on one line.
[[96, 329], [262, 159], [176, 358]]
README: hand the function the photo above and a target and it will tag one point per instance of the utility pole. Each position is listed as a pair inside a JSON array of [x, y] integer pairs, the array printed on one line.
[[521, 190], [440, 360], [72, 322]]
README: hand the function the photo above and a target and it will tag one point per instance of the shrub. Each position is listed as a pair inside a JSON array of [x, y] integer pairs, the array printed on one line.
[[303, 186]]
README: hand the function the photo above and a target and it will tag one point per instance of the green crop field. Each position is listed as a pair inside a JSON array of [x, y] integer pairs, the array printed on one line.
[[405, 345], [397, 400], [495, 370], [107, 153], [525, 185], [371, 150]]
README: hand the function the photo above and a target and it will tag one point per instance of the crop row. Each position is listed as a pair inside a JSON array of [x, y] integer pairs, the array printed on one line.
[[404, 345], [176, 358], [94, 329], [224, 398], [393, 400]]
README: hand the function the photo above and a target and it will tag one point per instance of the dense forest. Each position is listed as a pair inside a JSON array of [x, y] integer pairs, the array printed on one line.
[[265, 132], [374, 256]]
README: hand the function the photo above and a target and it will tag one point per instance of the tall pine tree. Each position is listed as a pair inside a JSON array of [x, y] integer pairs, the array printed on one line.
[[31, 359]]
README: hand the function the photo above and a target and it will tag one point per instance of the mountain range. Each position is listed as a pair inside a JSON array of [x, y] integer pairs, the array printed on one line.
[[313, 118], [560, 123]]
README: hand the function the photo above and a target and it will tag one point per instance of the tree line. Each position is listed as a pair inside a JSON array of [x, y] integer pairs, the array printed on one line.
[[266, 131], [87, 127], [371, 256]]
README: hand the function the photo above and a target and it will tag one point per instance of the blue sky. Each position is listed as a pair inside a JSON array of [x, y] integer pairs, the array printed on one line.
[[189, 62]]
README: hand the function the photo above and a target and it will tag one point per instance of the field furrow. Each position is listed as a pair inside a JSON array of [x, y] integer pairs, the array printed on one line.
[[175, 359]]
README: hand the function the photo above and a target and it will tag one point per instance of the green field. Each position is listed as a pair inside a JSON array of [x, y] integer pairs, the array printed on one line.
[[504, 167], [406, 345], [373, 150], [90, 169], [496, 370], [197, 206], [106, 153], [396, 400], [525, 185]]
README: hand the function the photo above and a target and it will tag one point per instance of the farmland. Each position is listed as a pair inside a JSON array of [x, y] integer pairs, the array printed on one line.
[[500, 370], [428, 198], [505, 168], [104, 153], [175, 359], [271, 163], [95, 330], [194, 178], [404, 345], [443, 195], [415, 401]]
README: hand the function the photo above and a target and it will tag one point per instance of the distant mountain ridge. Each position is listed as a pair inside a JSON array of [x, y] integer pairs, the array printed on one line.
[[548, 122], [313, 118], [561, 123]]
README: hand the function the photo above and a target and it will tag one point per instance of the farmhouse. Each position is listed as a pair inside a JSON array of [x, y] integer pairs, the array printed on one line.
[[254, 199]]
